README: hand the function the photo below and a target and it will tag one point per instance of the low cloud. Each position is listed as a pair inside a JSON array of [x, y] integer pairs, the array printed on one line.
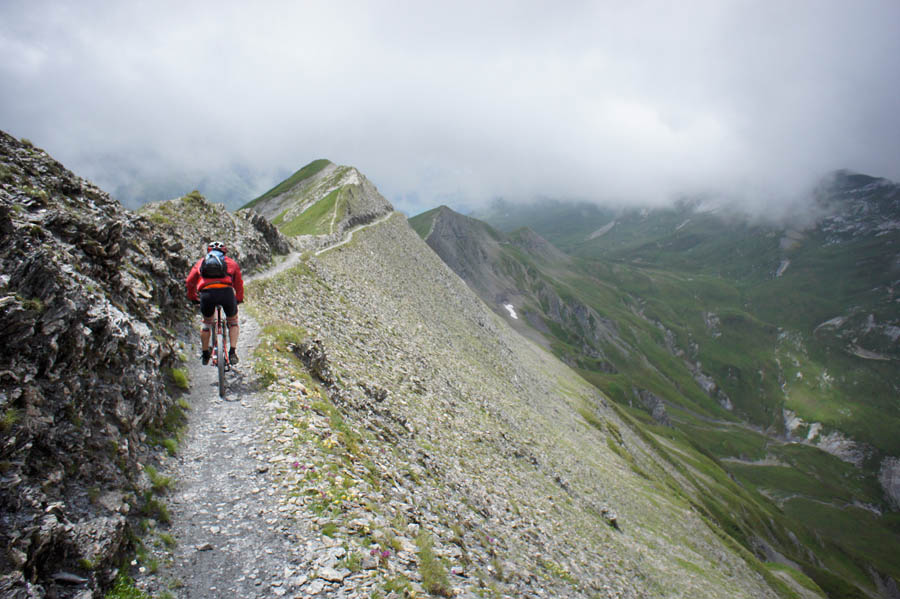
[[463, 102]]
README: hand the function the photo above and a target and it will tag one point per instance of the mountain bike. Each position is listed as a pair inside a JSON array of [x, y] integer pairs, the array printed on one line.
[[220, 345]]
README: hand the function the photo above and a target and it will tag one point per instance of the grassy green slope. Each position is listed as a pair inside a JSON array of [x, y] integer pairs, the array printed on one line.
[[315, 220], [421, 223], [304, 173]]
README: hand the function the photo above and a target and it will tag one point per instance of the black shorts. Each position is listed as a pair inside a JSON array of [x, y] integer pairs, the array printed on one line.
[[218, 296]]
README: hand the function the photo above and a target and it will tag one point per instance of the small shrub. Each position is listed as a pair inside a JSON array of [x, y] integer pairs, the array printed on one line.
[[195, 196], [31, 304], [6, 174], [168, 540], [34, 192], [157, 509], [159, 218], [557, 570], [399, 584], [353, 562], [329, 529]]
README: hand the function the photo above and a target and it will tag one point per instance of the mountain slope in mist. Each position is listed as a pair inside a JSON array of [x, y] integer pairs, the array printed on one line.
[[770, 349]]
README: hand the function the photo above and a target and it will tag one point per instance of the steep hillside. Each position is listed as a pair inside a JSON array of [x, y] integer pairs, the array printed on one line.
[[726, 330], [519, 277], [446, 425]]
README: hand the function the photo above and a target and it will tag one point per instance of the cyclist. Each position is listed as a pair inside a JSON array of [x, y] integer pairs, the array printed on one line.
[[215, 280]]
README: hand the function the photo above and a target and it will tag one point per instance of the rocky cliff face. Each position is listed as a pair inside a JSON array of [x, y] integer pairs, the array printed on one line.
[[250, 238], [91, 301], [89, 296]]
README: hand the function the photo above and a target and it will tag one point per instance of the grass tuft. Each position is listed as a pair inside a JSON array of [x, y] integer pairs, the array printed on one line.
[[124, 588], [10, 417], [180, 378], [432, 569], [160, 483]]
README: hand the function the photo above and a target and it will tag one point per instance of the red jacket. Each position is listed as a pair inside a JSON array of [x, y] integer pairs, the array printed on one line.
[[196, 282]]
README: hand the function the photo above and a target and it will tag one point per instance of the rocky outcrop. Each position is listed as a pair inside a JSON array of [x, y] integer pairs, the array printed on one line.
[[654, 405], [250, 238], [89, 296], [278, 243], [834, 442], [91, 303]]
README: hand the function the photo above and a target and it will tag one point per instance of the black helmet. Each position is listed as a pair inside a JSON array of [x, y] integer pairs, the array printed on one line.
[[217, 246]]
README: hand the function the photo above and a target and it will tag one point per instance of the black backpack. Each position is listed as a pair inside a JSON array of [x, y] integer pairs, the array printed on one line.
[[213, 266]]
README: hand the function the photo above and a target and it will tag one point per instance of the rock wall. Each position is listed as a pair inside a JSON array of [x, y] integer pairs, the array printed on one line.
[[250, 238], [91, 300]]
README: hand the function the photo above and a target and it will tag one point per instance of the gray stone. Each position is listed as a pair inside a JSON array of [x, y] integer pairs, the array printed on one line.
[[332, 575]]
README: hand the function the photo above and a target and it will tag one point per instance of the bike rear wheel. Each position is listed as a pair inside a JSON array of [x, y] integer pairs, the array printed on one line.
[[222, 350]]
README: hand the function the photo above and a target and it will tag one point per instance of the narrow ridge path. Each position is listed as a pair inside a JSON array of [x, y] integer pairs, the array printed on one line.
[[231, 539], [229, 534], [350, 233]]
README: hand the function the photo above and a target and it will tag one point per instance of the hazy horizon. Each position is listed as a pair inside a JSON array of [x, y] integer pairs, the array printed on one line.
[[752, 102]]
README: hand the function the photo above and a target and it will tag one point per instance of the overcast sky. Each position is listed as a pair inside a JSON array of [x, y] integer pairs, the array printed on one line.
[[458, 102]]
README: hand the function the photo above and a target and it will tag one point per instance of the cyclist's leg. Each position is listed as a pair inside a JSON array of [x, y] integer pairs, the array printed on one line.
[[207, 311], [229, 304], [206, 332]]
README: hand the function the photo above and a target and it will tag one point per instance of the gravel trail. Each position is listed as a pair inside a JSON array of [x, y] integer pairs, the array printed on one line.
[[231, 539], [230, 534]]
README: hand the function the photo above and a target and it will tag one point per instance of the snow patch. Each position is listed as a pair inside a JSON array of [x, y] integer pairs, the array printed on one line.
[[602, 230], [681, 226], [837, 321], [512, 311], [889, 477], [782, 267]]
